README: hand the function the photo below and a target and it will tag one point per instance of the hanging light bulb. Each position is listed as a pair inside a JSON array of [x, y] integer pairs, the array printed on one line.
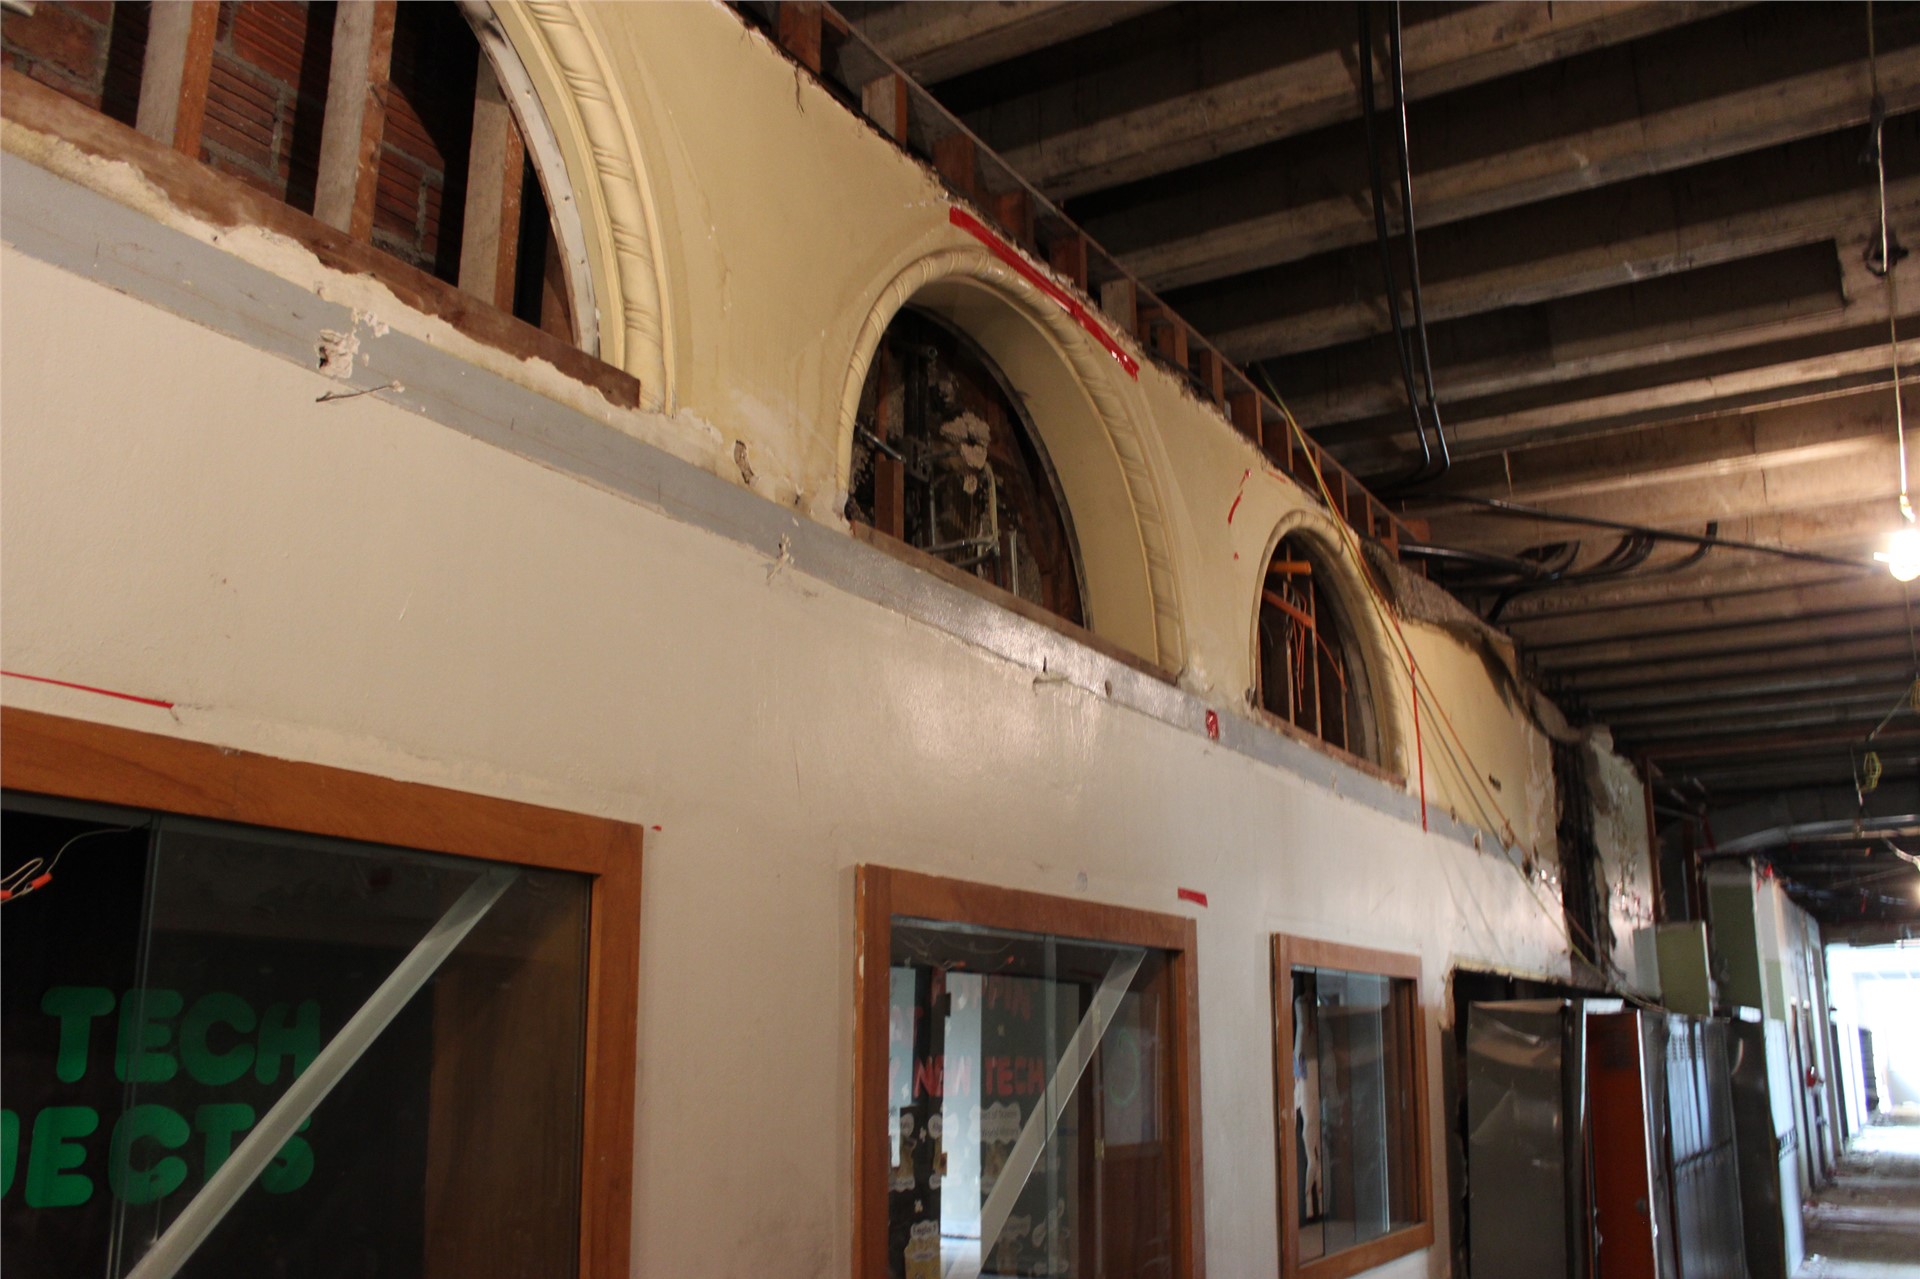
[[1902, 556]]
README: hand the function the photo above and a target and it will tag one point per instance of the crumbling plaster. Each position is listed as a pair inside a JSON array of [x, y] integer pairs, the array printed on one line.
[[351, 582]]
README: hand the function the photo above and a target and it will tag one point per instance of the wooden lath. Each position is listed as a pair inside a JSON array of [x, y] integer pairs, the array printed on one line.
[[854, 71]]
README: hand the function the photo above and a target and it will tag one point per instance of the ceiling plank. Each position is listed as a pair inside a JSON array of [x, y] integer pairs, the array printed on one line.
[[933, 42], [1866, 592], [1592, 686], [1734, 123], [1773, 373], [1102, 147], [1615, 652], [1575, 269]]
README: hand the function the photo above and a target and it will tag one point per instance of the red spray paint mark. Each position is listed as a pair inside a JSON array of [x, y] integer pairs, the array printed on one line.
[[1068, 303], [1193, 895], [88, 688], [1213, 726], [1238, 494], [656, 828]]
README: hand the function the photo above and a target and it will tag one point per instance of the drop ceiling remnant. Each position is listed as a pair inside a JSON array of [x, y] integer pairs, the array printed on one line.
[[1648, 244]]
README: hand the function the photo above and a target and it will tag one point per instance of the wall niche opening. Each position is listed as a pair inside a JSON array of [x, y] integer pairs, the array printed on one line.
[[1311, 666], [946, 460]]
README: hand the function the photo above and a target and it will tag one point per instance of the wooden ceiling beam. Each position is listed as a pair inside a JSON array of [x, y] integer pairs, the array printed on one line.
[[1856, 594], [1892, 677], [1808, 291], [1098, 135], [933, 42], [1618, 652], [1750, 119], [1590, 686], [1671, 451], [1560, 268], [1874, 688], [1782, 371], [1866, 473]]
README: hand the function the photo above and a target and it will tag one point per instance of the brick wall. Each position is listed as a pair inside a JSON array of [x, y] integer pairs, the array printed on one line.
[[266, 101]]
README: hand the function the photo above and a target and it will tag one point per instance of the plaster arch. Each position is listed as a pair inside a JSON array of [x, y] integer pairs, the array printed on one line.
[[1088, 430], [1381, 687], [567, 75]]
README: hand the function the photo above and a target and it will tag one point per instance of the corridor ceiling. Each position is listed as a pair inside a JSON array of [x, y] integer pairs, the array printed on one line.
[[1648, 250]]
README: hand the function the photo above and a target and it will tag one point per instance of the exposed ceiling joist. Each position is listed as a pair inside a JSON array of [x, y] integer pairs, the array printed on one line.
[[933, 42]]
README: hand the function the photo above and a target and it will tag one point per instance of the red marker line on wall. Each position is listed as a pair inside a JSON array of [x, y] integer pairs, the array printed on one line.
[[1193, 895], [88, 688], [1068, 303], [1238, 494]]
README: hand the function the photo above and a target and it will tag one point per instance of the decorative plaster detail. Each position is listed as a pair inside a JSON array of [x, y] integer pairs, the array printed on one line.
[[634, 329], [1092, 367]]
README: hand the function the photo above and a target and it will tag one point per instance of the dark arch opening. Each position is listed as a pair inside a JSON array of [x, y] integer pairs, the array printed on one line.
[[945, 460], [1312, 671]]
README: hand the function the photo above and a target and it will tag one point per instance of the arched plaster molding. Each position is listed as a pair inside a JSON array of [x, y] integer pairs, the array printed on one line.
[[575, 85], [1092, 369], [1387, 686]]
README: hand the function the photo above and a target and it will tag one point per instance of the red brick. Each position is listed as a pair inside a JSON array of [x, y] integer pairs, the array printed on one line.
[[57, 35], [67, 85], [273, 37]]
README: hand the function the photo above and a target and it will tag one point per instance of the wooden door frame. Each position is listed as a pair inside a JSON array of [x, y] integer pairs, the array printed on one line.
[[881, 893], [76, 759]]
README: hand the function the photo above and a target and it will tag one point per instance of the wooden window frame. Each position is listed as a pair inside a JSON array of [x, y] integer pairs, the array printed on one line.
[[76, 759], [880, 893], [1302, 952]]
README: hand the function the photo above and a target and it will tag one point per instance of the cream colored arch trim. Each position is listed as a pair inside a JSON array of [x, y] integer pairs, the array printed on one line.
[[570, 75], [1092, 368]]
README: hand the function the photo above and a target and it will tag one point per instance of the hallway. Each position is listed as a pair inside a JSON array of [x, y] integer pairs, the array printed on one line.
[[1867, 1224]]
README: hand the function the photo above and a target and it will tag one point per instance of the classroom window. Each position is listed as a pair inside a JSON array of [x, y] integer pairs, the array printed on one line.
[[1027, 1101], [227, 1045], [1351, 1056]]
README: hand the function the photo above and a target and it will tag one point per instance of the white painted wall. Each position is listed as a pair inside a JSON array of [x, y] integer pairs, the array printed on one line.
[[354, 584]]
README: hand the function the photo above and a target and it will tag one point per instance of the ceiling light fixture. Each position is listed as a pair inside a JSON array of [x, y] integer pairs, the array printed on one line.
[[1902, 556]]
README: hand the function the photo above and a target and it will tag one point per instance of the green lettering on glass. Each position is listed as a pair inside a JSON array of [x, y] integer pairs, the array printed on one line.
[[206, 1066], [137, 1056], [76, 1007], [291, 1167], [219, 1122], [9, 1148], [299, 1040], [161, 1178], [56, 1149]]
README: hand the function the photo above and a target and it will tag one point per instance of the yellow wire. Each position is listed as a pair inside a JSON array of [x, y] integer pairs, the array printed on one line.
[[1416, 679]]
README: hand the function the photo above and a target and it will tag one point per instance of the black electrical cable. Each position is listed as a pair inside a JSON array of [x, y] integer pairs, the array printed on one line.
[[1384, 239], [1664, 535], [1413, 251]]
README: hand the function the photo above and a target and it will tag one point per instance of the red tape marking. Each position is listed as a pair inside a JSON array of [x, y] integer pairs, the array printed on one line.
[[88, 688], [1193, 895], [1068, 303]]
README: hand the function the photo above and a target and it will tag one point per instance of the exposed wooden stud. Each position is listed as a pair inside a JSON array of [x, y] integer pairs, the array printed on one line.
[[496, 165], [1120, 299], [1013, 210], [174, 76], [356, 116], [885, 103], [1067, 254], [953, 160], [799, 31], [1211, 370], [1164, 332], [1243, 409]]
